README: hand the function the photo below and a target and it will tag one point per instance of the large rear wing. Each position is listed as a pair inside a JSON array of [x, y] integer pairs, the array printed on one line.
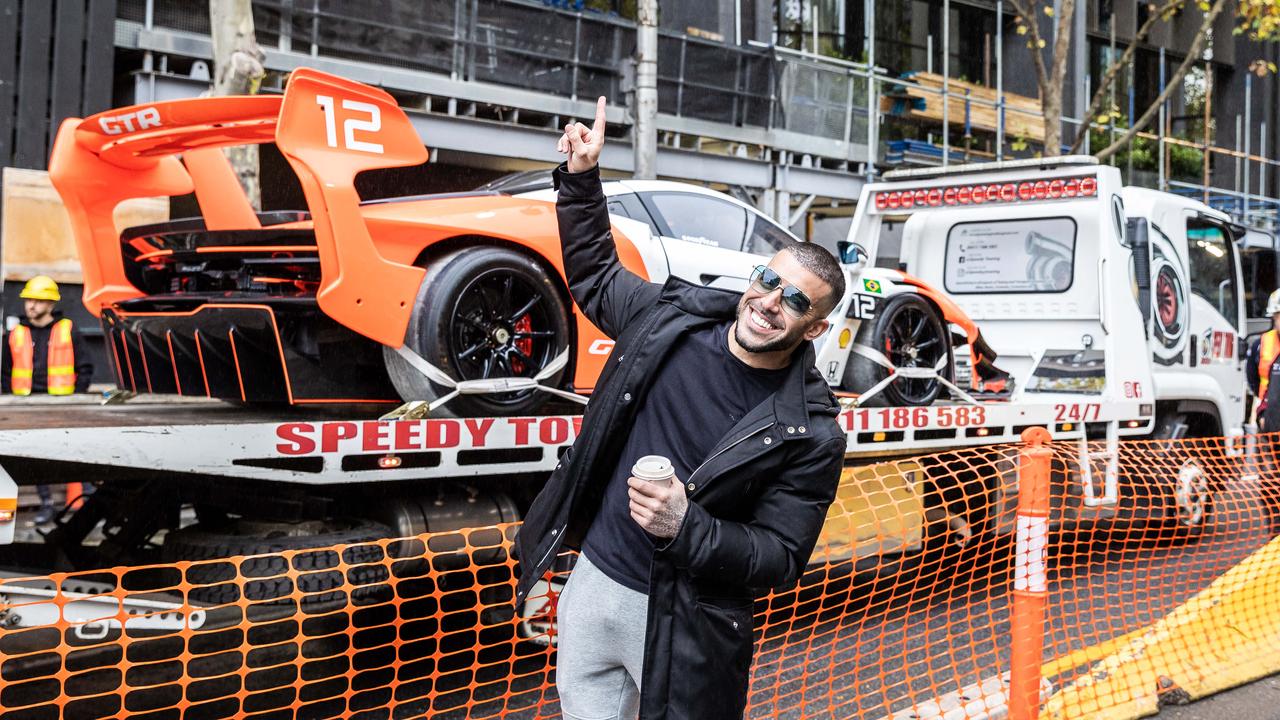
[[328, 128]]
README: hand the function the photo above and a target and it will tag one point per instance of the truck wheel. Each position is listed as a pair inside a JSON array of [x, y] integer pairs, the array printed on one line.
[[315, 574], [483, 312], [1176, 507], [1193, 500], [909, 332]]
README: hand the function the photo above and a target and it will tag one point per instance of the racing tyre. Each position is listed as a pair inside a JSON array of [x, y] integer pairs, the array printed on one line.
[[484, 312], [267, 577], [910, 333]]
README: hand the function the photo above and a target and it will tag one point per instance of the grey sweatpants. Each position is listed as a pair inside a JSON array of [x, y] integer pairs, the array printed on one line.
[[600, 646]]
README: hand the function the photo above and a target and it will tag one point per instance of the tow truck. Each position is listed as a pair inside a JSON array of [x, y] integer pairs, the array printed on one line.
[[1114, 311]]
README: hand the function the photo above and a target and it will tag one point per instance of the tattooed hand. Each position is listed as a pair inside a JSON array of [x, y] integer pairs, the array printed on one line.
[[658, 507]]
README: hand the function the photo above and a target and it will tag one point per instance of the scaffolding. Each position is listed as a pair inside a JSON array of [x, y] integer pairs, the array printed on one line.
[[762, 109]]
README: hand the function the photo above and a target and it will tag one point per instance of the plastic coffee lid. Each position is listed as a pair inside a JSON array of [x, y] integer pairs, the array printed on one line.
[[653, 466]]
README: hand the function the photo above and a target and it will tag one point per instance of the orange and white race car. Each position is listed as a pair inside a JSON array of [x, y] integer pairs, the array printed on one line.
[[409, 298]]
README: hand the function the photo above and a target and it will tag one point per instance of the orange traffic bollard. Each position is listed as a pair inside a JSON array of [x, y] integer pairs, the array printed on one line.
[[1030, 578], [74, 491]]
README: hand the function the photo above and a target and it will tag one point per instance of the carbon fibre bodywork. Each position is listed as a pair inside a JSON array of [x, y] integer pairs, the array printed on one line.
[[255, 350]]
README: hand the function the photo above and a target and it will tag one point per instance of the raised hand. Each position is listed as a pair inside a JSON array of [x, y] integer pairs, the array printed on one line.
[[584, 145]]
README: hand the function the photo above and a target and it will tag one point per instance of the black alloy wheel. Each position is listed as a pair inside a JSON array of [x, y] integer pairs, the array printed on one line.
[[482, 313], [501, 328], [909, 332]]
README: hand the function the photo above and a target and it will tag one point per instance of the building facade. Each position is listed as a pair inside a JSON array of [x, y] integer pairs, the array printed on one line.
[[790, 104]]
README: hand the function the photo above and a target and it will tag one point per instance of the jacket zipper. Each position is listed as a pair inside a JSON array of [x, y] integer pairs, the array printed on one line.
[[553, 545], [726, 448]]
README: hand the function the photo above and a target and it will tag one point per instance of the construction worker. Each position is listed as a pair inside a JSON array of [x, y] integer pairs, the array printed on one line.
[[44, 354], [1262, 363]]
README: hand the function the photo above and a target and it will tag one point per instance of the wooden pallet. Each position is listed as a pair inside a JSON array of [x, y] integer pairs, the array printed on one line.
[[920, 98]]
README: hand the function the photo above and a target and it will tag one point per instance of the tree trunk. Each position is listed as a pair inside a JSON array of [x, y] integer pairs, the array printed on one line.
[[237, 70], [1051, 96], [1051, 106], [645, 130]]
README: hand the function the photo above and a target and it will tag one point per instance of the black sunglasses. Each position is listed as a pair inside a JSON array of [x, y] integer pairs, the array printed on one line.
[[794, 300]]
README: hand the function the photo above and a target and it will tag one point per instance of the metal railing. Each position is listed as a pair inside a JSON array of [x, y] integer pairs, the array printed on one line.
[[763, 98], [575, 55], [824, 97]]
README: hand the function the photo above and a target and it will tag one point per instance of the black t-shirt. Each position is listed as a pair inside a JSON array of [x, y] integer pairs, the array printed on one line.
[[40, 358], [701, 391]]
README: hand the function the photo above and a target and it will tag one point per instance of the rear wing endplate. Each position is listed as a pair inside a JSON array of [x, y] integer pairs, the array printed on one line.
[[328, 128]]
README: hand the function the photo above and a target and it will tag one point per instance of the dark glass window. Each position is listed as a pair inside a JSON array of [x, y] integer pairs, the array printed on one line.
[[701, 219], [1259, 266], [1209, 253], [628, 205], [767, 238]]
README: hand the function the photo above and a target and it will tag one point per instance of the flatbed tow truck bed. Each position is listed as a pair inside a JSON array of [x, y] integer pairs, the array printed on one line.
[[87, 411], [156, 461], [325, 446]]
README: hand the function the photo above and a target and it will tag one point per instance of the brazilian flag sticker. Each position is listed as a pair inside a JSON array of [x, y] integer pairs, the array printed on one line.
[[871, 286]]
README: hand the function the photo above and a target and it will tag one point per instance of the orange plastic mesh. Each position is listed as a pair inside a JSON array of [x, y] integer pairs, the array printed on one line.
[[907, 601]]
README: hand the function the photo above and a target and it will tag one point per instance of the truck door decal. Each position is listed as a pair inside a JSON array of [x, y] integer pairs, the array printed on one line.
[[1169, 301]]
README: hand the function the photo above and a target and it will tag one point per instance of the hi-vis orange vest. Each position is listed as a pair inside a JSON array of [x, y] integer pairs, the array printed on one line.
[[1268, 351], [62, 359]]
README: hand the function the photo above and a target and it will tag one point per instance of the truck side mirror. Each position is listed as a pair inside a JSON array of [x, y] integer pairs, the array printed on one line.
[[1137, 233], [851, 253]]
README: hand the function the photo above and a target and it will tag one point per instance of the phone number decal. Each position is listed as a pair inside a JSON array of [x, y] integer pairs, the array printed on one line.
[[904, 418]]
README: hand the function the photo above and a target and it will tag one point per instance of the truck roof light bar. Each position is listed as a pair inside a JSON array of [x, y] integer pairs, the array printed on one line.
[[1048, 163], [987, 193]]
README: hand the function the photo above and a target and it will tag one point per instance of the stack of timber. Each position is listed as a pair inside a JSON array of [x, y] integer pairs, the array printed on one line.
[[919, 153], [972, 106]]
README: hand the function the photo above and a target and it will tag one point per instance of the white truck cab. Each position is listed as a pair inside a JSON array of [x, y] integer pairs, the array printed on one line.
[[1080, 285]]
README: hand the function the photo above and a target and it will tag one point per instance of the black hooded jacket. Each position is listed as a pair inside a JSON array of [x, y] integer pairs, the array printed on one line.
[[756, 505]]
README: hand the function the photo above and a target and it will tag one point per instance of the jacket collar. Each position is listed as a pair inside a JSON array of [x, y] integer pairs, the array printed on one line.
[[715, 303]]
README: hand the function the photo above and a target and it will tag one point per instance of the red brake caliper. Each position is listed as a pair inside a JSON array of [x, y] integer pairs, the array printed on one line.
[[524, 345]]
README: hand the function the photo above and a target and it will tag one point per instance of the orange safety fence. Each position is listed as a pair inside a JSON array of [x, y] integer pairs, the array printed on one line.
[[907, 611]]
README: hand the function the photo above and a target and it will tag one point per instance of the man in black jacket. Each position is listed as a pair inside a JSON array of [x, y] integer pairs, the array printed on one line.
[[657, 615]]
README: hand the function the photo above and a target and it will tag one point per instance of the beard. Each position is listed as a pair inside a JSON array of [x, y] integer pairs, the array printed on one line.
[[788, 340]]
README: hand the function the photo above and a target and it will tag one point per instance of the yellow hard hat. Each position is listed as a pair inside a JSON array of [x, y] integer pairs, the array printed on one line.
[[41, 287]]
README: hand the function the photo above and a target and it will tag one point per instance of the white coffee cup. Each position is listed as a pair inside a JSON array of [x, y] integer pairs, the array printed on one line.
[[653, 468]]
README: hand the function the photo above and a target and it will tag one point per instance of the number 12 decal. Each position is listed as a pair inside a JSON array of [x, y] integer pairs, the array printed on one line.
[[352, 124], [862, 307]]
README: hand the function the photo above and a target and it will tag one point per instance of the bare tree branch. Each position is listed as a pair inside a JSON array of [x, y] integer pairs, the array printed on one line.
[[1100, 92], [1193, 56], [1027, 13]]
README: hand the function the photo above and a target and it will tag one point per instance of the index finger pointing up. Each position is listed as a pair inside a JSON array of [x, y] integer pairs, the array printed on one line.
[[597, 128]]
